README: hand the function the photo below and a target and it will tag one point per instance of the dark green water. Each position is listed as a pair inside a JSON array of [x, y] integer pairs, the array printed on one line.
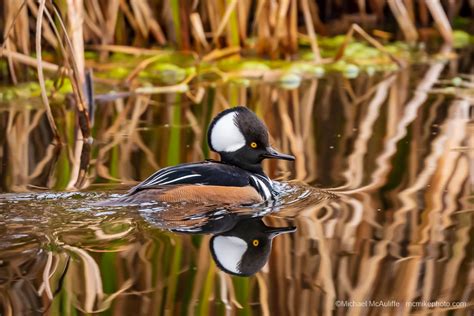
[[381, 195]]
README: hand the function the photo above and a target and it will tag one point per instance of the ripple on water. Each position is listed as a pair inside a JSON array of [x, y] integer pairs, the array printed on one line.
[[38, 225], [69, 213]]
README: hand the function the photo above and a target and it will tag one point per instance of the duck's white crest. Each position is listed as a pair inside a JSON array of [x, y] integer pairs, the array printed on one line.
[[228, 251], [225, 135]]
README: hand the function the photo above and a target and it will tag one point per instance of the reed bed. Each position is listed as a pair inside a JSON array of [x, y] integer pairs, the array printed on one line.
[[274, 29], [65, 30], [398, 142]]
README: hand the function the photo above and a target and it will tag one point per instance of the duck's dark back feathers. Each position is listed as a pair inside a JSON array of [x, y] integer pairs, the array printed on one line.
[[205, 173]]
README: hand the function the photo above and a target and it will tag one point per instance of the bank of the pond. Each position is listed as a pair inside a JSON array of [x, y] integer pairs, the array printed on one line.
[[174, 71]]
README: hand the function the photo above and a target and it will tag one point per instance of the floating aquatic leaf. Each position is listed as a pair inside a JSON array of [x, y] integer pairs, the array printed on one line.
[[348, 70], [66, 86], [360, 50], [301, 68], [91, 55], [332, 42], [118, 73], [461, 39], [241, 81], [456, 81], [163, 73], [351, 71], [233, 64], [290, 81], [253, 65]]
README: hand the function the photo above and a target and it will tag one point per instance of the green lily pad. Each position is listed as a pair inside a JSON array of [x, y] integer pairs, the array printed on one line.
[[461, 39], [290, 81], [163, 73]]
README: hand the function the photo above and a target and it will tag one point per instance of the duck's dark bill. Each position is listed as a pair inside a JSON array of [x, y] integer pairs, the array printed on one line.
[[272, 153], [275, 231]]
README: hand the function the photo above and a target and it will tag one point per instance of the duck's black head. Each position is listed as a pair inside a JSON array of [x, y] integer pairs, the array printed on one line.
[[241, 139]]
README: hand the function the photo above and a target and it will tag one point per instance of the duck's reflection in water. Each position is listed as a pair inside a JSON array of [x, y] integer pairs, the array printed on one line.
[[241, 242], [245, 249]]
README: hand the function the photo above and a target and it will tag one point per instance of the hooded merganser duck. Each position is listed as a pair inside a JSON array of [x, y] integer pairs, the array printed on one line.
[[241, 140]]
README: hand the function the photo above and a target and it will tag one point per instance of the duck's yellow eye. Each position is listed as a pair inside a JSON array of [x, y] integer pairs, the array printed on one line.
[[255, 242], [253, 144]]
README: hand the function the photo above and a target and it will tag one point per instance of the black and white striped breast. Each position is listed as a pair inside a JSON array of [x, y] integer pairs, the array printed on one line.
[[263, 185]]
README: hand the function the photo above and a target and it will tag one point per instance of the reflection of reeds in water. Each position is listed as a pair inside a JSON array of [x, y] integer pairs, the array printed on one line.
[[401, 229]]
